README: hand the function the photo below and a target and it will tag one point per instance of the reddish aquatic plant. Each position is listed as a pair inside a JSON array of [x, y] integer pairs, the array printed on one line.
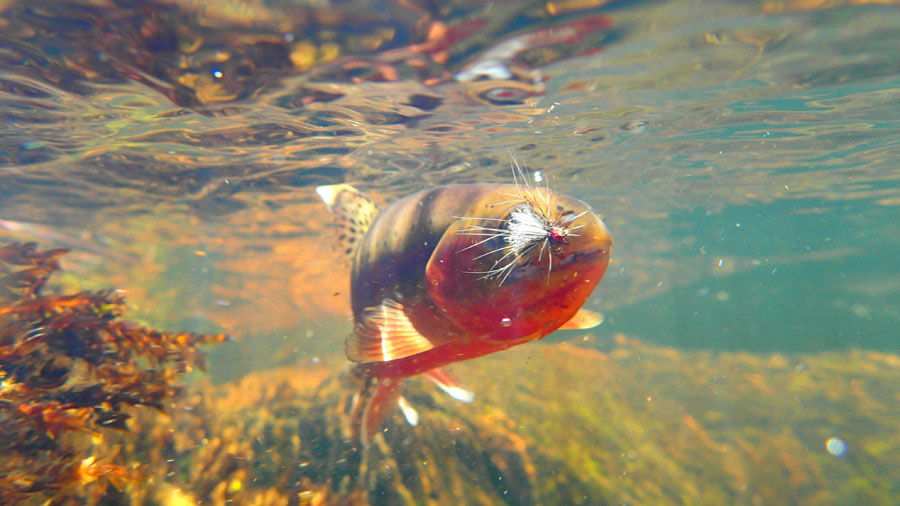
[[69, 372]]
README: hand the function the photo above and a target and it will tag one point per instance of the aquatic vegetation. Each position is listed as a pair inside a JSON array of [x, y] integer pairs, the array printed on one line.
[[70, 374], [281, 436], [660, 425], [634, 424]]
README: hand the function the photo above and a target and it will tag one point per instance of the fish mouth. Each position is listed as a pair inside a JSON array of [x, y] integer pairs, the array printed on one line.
[[584, 256], [603, 238], [590, 246]]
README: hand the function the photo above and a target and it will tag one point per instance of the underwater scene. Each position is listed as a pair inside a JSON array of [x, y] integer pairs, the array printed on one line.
[[402, 252]]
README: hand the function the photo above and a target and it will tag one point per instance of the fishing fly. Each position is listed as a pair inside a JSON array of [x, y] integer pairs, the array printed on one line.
[[528, 225]]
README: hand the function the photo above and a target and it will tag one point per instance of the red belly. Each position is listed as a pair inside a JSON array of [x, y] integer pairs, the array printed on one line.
[[436, 357]]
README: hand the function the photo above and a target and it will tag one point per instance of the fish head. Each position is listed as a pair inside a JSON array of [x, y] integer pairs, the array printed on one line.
[[521, 268]]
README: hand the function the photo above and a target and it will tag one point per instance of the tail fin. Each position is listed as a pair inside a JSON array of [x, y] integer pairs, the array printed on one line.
[[370, 407], [353, 214]]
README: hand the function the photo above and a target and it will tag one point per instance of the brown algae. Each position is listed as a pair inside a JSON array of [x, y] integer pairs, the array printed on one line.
[[70, 375]]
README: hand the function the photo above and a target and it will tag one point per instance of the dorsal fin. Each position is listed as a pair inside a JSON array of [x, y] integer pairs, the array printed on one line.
[[353, 214]]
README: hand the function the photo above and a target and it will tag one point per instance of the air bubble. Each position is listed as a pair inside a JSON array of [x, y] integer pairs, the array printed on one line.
[[836, 446]]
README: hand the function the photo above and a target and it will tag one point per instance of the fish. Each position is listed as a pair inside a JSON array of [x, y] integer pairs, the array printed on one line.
[[456, 272]]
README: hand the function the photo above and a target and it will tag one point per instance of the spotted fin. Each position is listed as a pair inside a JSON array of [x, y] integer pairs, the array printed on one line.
[[386, 333], [583, 319], [353, 214]]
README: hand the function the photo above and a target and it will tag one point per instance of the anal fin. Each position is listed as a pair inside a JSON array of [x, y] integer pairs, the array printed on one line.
[[583, 319]]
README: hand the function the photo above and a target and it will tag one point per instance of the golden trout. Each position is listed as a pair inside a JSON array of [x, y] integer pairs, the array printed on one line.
[[457, 272]]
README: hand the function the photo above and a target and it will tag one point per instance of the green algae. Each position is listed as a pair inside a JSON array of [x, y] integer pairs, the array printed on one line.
[[701, 428]]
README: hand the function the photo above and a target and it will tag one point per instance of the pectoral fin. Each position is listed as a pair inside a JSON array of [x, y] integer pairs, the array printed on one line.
[[386, 333], [409, 412], [583, 319], [449, 384]]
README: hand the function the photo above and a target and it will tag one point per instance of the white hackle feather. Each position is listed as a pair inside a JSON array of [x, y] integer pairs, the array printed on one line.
[[528, 225], [525, 227]]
